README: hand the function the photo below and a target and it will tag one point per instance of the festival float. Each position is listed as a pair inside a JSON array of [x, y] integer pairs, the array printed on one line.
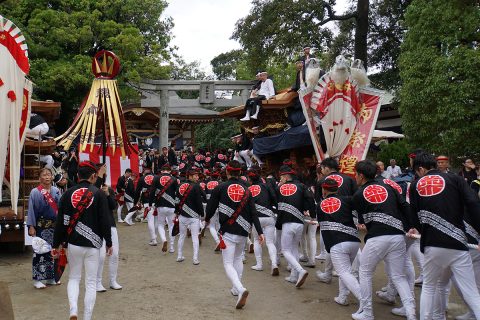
[[332, 115]]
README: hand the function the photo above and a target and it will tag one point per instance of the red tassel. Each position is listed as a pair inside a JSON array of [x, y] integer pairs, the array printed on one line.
[[11, 95], [222, 243], [335, 123], [347, 131], [331, 130], [341, 121], [1, 82]]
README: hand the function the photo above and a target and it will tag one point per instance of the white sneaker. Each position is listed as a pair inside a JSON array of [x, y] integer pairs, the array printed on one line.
[[115, 286], [180, 259], [341, 300], [385, 297], [246, 118], [242, 299], [334, 273], [419, 281], [257, 268], [302, 276], [290, 279], [467, 316], [303, 258], [120, 221], [39, 285], [361, 316], [321, 256], [196, 262], [51, 282], [129, 222], [399, 311], [324, 277], [100, 288], [153, 242], [234, 292]]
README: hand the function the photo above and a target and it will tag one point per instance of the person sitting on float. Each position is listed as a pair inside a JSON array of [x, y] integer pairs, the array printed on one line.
[[253, 104]]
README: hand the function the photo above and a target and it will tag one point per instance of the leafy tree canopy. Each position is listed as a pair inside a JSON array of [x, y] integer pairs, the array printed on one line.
[[216, 135], [63, 36], [439, 67]]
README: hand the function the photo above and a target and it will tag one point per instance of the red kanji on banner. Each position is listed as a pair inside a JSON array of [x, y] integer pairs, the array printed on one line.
[[375, 193], [212, 185], [235, 192], [164, 180], [288, 189], [430, 185], [255, 190], [393, 184], [202, 185], [149, 179], [183, 188], [330, 205], [337, 178], [77, 196]]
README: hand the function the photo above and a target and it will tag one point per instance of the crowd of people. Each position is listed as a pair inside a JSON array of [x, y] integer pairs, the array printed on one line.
[[433, 218]]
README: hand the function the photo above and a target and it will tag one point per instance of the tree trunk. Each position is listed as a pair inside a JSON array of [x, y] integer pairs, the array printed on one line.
[[361, 31]]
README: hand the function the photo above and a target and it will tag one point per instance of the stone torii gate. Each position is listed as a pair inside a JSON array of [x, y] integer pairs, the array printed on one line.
[[162, 94]]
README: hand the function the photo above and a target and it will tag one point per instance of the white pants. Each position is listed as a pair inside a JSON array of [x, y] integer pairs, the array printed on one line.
[[278, 243], [77, 258], [38, 131], [214, 226], [408, 267], [232, 259], [165, 216], [129, 206], [112, 261], [268, 226], [309, 238], [291, 236], [152, 222], [392, 249], [245, 154], [322, 244], [440, 265], [414, 251], [343, 254], [194, 225]]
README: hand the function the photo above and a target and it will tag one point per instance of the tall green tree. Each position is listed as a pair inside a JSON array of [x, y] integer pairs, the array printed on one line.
[[64, 35], [439, 63]]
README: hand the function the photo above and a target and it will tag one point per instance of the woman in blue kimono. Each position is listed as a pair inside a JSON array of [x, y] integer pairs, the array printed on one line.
[[42, 213]]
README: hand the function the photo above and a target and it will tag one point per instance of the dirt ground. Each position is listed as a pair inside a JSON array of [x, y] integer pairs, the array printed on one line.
[[155, 286]]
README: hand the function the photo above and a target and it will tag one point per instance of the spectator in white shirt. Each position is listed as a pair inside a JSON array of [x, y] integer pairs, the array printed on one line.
[[393, 170], [253, 104], [381, 170]]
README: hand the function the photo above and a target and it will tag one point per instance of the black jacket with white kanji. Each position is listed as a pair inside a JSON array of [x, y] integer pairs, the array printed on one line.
[[93, 225], [294, 199], [336, 220], [440, 201], [144, 186], [210, 185], [126, 186], [347, 186], [193, 205], [167, 199], [226, 198], [265, 199], [382, 209]]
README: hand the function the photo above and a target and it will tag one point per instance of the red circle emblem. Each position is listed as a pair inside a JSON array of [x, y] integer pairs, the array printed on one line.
[[430, 185], [393, 184], [148, 179], [330, 205], [183, 188], [235, 192], [203, 185], [337, 178], [77, 196], [375, 193], [288, 189], [164, 180], [212, 185], [255, 190]]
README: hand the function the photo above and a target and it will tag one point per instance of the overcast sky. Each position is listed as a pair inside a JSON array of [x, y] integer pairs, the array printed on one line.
[[203, 27]]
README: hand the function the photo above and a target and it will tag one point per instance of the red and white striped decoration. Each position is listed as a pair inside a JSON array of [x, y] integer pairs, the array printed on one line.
[[116, 166]]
